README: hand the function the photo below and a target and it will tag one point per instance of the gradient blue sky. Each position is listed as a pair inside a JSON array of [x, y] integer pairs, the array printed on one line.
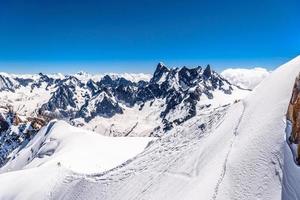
[[132, 36]]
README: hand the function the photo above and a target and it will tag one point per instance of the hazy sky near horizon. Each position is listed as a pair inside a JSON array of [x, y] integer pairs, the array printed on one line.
[[132, 36]]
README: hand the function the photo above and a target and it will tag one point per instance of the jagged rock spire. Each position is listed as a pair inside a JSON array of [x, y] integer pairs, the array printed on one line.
[[161, 67], [207, 71], [159, 71]]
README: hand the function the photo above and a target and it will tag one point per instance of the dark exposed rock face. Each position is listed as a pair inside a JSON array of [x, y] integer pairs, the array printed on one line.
[[161, 70], [207, 72], [101, 104], [293, 113], [106, 108], [177, 87], [24, 81], [15, 133], [64, 102], [126, 94], [43, 79], [107, 81], [92, 86], [4, 125], [61, 99], [6, 84], [182, 86]]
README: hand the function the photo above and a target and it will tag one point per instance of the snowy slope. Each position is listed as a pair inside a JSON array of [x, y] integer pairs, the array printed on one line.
[[245, 78], [185, 165], [240, 158], [57, 151], [254, 167]]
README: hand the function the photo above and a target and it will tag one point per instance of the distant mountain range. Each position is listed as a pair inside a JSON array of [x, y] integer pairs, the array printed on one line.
[[81, 98]]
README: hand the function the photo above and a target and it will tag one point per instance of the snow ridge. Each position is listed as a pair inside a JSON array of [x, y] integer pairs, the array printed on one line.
[[235, 133]]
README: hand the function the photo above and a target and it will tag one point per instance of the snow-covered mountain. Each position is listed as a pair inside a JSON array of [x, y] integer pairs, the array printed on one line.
[[113, 105], [217, 141], [169, 98], [245, 78]]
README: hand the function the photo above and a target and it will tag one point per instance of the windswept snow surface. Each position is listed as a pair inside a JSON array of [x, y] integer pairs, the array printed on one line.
[[245, 78], [254, 168], [58, 151], [241, 157], [291, 175]]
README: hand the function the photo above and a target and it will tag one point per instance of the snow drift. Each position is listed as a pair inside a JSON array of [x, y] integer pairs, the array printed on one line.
[[58, 150]]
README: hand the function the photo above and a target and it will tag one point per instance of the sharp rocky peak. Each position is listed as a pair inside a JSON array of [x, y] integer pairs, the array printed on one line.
[[177, 87], [71, 81], [161, 70], [207, 72]]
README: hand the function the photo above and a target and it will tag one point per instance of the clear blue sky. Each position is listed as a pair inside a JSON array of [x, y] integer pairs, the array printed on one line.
[[118, 35]]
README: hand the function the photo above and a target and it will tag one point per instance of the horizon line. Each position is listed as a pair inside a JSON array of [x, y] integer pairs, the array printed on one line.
[[133, 66]]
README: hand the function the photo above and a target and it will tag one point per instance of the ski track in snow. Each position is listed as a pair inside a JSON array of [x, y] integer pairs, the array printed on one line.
[[235, 133]]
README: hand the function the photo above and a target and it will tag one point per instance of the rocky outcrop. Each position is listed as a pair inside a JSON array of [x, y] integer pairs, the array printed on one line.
[[102, 104], [70, 93], [16, 132], [36, 123], [180, 88], [293, 115], [43, 79], [7, 84], [4, 125], [160, 72]]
